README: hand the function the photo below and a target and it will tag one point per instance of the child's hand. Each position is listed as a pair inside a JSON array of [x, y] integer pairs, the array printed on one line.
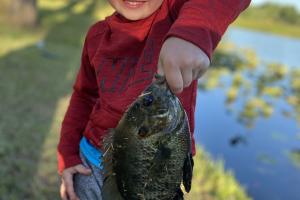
[[66, 187], [181, 62]]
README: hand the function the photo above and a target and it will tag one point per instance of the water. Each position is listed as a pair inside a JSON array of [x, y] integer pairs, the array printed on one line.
[[269, 48], [261, 159]]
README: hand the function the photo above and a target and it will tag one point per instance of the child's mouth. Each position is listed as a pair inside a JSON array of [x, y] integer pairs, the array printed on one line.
[[134, 3]]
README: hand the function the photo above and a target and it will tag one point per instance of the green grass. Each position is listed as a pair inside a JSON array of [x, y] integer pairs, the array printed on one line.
[[268, 26], [267, 20], [212, 182], [36, 82]]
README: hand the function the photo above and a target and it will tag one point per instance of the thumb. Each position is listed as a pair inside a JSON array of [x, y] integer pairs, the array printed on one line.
[[83, 170]]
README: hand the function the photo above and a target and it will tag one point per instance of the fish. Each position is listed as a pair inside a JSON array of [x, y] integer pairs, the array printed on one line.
[[148, 155]]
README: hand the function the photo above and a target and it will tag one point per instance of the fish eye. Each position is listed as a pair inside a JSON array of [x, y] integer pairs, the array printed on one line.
[[147, 100]]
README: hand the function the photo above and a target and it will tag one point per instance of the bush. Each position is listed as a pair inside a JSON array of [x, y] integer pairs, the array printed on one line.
[[289, 14], [284, 13]]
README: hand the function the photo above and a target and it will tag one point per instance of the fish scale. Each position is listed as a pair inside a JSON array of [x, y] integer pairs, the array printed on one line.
[[150, 154]]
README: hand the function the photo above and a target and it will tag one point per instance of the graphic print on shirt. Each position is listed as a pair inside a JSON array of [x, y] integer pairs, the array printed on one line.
[[116, 74]]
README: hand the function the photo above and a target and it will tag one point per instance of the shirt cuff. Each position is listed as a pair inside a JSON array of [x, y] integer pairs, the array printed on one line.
[[65, 162]]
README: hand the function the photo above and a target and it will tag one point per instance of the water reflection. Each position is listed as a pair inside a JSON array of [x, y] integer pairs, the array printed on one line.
[[266, 159], [270, 48], [248, 114], [294, 155], [257, 86]]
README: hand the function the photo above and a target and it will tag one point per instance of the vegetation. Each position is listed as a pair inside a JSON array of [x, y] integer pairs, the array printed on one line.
[[270, 17], [212, 182], [294, 156], [21, 13], [254, 85], [37, 72]]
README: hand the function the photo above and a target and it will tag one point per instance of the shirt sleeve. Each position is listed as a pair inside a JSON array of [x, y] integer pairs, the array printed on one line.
[[83, 99], [203, 22]]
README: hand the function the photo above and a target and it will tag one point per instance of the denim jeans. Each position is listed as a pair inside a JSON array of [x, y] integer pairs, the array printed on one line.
[[88, 187]]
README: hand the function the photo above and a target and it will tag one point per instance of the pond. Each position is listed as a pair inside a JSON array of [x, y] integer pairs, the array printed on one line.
[[263, 152]]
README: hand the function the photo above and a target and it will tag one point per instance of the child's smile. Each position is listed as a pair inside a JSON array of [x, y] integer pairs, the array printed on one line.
[[134, 3], [135, 9]]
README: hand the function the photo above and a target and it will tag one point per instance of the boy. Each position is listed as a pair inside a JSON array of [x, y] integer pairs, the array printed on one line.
[[120, 56]]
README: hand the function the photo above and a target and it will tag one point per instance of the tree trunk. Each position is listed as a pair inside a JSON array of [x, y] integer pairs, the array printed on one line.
[[23, 13]]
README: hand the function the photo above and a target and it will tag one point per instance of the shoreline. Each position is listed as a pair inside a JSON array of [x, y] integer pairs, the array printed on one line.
[[268, 26]]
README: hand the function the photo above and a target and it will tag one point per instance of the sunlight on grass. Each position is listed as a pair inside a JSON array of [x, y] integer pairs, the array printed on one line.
[[81, 6], [212, 182], [11, 43], [46, 178], [106, 10], [52, 4], [60, 17], [12, 39], [268, 26], [269, 21]]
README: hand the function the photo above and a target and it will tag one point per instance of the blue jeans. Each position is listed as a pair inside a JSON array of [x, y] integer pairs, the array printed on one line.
[[88, 187]]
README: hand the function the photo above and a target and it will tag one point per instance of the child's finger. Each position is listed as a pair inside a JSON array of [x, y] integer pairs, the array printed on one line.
[[68, 181], [83, 170], [174, 78], [63, 192], [195, 74], [160, 70], [187, 76]]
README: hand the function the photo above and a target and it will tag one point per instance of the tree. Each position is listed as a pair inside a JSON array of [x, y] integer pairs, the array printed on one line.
[[23, 12]]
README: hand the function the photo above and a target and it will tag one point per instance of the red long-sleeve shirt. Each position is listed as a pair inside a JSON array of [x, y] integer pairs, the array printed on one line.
[[119, 59]]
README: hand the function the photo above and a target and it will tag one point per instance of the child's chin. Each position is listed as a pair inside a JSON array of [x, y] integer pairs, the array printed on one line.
[[135, 15]]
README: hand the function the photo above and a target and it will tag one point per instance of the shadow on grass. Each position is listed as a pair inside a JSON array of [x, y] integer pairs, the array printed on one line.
[[33, 80]]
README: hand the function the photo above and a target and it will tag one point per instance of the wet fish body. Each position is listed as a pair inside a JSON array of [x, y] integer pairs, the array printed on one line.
[[148, 155]]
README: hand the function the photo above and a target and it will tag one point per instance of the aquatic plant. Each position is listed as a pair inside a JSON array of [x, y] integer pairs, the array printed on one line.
[[254, 85], [294, 156]]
